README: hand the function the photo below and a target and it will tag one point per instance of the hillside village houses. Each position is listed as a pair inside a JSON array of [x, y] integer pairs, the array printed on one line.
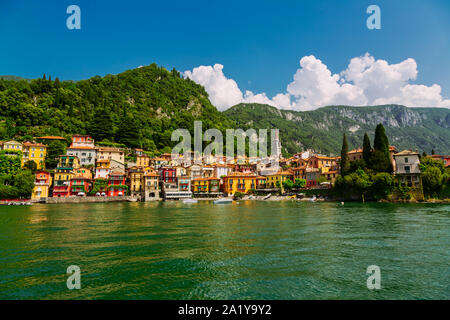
[[90, 170]]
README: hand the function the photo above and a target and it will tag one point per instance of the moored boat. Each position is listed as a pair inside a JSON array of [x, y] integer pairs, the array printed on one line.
[[190, 201], [223, 201]]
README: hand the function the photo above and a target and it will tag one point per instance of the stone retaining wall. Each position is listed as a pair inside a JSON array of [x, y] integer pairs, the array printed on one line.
[[85, 199]]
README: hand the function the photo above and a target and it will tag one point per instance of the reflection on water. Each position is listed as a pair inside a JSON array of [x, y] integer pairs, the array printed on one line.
[[245, 250]]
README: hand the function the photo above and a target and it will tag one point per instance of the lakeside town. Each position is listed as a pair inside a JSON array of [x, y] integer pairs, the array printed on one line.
[[103, 173]]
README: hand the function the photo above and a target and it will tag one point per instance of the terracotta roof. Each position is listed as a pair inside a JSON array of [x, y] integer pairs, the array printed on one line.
[[80, 178], [51, 138], [151, 175], [406, 152], [117, 173], [109, 149], [241, 174], [33, 144], [325, 157], [81, 147], [356, 150], [205, 179]]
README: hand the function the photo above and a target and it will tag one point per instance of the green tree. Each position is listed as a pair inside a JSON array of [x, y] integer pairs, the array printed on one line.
[[432, 181], [383, 185], [55, 148], [24, 182], [345, 162], [288, 184], [300, 183], [380, 160], [128, 132], [30, 165], [101, 125], [367, 148]]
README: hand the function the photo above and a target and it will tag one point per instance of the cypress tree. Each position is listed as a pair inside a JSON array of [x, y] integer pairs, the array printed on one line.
[[432, 151], [345, 163], [381, 160], [367, 149]]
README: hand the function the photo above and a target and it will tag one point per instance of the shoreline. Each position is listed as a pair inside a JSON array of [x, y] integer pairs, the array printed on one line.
[[75, 200]]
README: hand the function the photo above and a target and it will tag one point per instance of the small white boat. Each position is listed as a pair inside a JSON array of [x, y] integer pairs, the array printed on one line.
[[190, 201], [267, 197], [313, 199], [223, 201]]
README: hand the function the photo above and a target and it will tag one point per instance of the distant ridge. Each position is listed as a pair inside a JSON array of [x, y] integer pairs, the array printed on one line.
[[423, 129], [13, 78]]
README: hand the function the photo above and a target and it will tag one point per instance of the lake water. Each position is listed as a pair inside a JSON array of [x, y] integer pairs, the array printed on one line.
[[245, 250]]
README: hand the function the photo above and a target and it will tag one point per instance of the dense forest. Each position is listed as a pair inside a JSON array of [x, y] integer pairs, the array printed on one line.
[[138, 108]]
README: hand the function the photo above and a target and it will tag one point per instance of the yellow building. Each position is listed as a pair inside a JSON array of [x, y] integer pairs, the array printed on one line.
[[200, 185], [71, 162], [276, 180], [12, 145], [239, 182], [42, 183], [63, 174], [136, 180], [34, 152], [83, 172]]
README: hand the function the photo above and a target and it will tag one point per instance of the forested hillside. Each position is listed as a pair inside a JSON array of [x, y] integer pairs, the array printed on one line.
[[139, 107]]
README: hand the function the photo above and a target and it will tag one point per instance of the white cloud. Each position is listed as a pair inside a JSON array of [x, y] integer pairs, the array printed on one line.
[[366, 81], [223, 92]]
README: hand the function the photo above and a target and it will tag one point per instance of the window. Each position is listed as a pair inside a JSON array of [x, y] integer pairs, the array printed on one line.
[[406, 160], [407, 169]]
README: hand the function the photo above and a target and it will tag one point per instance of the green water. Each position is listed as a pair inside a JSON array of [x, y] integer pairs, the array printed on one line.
[[245, 250]]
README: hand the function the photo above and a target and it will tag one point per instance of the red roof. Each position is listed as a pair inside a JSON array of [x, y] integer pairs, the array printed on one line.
[[51, 138]]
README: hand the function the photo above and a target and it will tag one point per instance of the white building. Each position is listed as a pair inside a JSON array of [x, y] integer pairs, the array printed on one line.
[[407, 166]]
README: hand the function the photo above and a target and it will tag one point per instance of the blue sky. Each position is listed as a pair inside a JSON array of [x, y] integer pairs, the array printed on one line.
[[259, 43]]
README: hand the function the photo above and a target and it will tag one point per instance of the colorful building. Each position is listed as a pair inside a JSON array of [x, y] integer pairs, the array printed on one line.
[[81, 182], [12, 145], [86, 154], [108, 153], [184, 184], [117, 184], [168, 175], [102, 170], [42, 183], [206, 185], [64, 174], [239, 182], [276, 180], [80, 185], [136, 181], [36, 152], [151, 189], [142, 160]]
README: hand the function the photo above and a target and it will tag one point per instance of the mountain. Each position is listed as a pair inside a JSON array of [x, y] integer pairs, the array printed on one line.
[[322, 129], [139, 107], [13, 78]]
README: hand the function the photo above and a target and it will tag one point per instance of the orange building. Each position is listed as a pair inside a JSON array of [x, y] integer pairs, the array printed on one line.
[[239, 182]]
